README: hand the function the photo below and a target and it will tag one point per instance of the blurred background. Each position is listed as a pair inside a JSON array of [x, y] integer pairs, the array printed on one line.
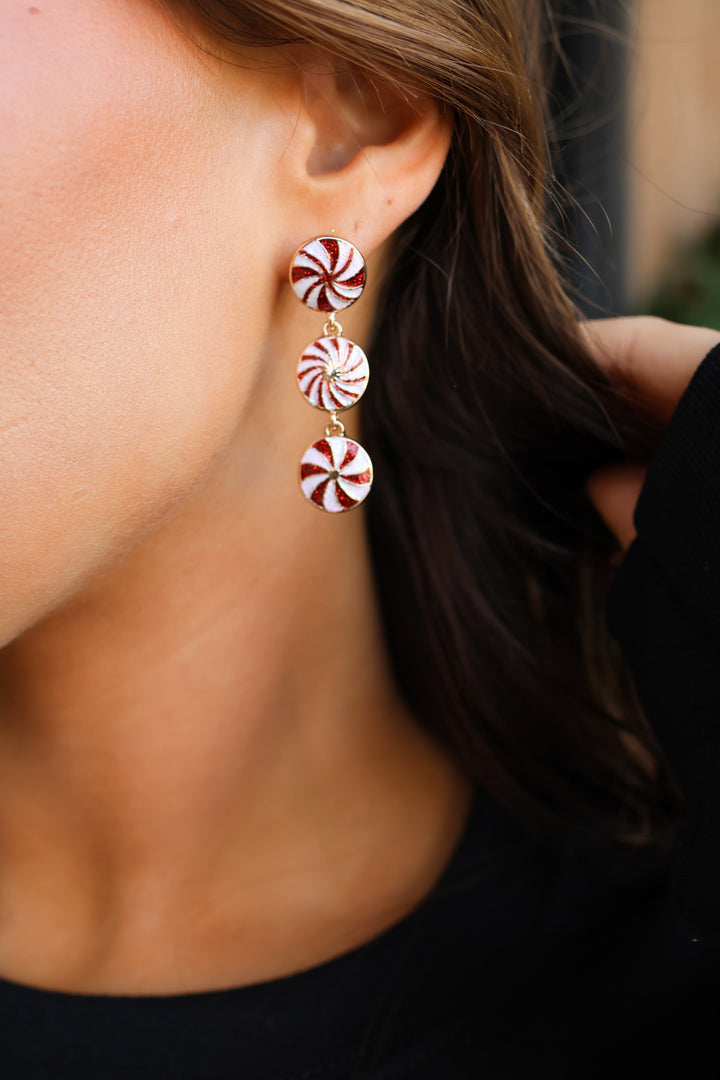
[[636, 132]]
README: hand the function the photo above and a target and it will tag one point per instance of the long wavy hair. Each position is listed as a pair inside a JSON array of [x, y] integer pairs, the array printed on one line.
[[484, 417]]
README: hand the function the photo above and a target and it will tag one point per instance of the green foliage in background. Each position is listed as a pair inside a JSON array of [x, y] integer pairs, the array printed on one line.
[[690, 291]]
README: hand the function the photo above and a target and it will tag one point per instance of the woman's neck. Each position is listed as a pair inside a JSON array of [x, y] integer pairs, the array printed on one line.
[[206, 745]]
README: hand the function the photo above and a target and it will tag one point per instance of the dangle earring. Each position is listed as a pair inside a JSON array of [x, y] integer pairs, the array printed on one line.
[[328, 274]]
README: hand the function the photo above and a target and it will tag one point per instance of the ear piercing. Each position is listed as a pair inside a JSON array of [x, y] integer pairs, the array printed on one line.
[[328, 274]]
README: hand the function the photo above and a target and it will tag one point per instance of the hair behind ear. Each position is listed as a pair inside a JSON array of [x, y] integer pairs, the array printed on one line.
[[484, 416]]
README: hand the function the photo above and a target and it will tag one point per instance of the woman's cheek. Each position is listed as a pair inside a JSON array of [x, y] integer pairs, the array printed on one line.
[[120, 295]]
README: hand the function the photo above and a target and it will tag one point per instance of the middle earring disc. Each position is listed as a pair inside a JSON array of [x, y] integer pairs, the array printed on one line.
[[332, 373]]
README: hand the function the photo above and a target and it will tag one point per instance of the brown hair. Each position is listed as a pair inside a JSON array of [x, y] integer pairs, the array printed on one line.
[[484, 417]]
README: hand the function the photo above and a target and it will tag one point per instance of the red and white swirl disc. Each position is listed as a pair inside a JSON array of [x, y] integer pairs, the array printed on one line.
[[332, 373], [335, 473], [327, 273]]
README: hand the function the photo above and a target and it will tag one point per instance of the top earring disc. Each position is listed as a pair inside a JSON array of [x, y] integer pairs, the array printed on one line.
[[327, 273]]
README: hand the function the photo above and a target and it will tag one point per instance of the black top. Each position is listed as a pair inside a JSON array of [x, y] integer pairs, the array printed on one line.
[[522, 962]]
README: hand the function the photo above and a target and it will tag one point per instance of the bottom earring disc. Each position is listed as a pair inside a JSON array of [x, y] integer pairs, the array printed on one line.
[[335, 473]]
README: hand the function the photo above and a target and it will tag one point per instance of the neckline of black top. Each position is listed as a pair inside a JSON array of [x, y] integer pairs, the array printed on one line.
[[391, 990]]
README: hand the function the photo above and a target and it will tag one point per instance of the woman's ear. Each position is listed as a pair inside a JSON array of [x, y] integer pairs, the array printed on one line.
[[367, 154]]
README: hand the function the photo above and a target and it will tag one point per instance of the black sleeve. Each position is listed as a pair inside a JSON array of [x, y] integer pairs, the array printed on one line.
[[664, 608]]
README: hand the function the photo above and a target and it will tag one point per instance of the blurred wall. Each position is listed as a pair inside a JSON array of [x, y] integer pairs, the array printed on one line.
[[674, 132], [588, 60]]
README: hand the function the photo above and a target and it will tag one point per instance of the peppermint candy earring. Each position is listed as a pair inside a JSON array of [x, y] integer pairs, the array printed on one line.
[[328, 274]]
